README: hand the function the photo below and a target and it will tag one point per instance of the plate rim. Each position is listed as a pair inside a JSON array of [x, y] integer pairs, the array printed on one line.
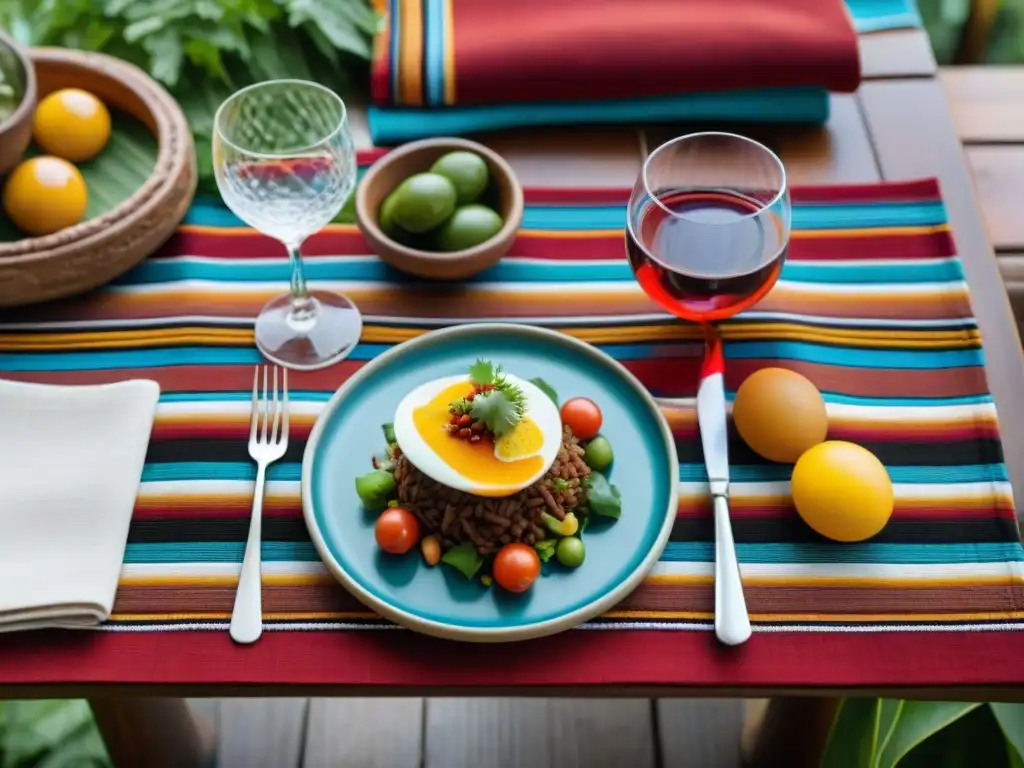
[[488, 634]]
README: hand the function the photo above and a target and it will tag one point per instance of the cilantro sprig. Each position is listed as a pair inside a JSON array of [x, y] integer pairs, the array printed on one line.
[[497, 403]]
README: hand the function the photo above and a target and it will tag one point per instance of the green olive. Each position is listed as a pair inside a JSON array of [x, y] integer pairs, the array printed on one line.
[[599, 453], [571, 552], [375, 488]]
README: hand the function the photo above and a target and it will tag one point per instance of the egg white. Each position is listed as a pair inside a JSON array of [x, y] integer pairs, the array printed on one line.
[[538, 407]]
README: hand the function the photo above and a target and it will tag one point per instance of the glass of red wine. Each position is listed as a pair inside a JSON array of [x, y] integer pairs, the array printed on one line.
[[708, 225], [707, 231]]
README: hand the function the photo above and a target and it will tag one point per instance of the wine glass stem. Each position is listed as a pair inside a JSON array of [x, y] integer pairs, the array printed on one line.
[[302, 304]]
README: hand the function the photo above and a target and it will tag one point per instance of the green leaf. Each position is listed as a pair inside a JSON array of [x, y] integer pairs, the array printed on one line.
[[603, 498], [498, 412], [546, 388], [464, 558], [889, 711], [851, 740], [389, 433], [481, 372], [971, 740], [918, 720], [546, 549], [1011, 720]]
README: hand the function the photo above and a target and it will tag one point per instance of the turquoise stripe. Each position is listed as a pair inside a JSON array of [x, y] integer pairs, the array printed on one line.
[[688, 473], [853, 358], [613, 217], [918, 554], [830, 397], [803, 104], [878, 15], [513, 271], [675, 552], [916, 359], [433, 53], [216, 552]]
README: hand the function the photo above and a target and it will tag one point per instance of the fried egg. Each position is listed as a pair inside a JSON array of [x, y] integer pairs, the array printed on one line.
[[490, 467]]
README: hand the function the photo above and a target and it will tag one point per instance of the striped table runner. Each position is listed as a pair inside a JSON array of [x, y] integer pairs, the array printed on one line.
[[872, 306]]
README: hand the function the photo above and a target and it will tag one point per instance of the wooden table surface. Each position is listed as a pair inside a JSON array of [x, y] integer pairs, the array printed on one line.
[[897, 126]]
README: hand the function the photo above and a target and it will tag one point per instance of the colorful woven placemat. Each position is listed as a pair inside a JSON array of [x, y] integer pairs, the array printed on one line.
[[872, 306]]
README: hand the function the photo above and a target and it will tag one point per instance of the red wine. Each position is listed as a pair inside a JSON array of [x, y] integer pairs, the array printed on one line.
[[705, 255]]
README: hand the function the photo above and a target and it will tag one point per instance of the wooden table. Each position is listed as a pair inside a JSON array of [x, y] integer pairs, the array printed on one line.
[[897, 126]]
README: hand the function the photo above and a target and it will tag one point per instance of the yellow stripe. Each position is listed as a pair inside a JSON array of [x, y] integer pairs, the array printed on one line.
[[853, 618], [555, 234], [826, 582], [923, 339], [449, 52], [659, 580], [410, 56]]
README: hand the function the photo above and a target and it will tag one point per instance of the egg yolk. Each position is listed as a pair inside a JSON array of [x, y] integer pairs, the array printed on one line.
[[477, 462]]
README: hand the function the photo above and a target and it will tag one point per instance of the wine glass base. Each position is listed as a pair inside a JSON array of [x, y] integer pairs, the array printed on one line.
[[307, 341]]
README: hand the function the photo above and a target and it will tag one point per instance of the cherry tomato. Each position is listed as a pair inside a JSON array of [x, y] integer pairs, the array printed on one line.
[[397, 530], [516, 567], [582, 416]]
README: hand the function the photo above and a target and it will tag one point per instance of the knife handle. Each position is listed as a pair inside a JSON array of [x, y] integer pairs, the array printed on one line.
[[732, 624]]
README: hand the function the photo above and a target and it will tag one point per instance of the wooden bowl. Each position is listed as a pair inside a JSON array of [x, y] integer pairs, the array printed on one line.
[[16, 130], [416, 157], [97, 250]]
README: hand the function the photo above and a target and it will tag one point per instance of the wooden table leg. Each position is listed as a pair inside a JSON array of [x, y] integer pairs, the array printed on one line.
[[787, 732], [155, 733]]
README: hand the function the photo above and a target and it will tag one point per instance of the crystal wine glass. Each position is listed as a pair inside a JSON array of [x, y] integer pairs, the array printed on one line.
[[707, 230], [285, 164]]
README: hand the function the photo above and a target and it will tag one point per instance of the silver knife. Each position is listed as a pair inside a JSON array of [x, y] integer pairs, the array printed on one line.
[[732, 623]]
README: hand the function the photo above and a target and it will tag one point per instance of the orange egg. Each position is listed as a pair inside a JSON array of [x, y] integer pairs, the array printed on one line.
[[779, 414]]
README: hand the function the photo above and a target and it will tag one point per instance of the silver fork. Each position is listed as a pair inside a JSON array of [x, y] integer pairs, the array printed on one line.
[[268, 439]]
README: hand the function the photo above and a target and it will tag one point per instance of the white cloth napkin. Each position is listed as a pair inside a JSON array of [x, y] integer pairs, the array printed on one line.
[[70, 464]]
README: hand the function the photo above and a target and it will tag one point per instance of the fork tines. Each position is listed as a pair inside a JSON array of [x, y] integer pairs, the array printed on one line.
[[262, 403]]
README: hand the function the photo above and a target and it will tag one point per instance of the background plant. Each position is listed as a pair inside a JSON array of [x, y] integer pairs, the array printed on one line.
[[885, 733]]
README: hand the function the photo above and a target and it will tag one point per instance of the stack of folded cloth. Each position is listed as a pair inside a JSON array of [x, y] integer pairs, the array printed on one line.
[[445, 67]]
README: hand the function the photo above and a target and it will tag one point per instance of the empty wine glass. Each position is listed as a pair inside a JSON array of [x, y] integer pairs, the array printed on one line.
[[285, 164]]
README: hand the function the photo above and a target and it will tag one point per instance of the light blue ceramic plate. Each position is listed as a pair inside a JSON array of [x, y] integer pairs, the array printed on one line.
[[439, 600]]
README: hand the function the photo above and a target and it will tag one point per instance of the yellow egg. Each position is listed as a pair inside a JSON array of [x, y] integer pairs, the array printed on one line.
[[779, 414], [71, 123], [44, 195], [842, 491]]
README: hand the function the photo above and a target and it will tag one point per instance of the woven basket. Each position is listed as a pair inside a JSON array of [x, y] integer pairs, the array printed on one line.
[[93, 252]]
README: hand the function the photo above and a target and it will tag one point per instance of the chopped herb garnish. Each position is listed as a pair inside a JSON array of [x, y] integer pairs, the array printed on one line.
[[496, 403], [464, 558], [560, 484], [603, 498]]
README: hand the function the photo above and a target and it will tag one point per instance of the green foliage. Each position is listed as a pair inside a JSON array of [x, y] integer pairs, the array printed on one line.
[[49, 734], [944, 20], [886, 733], [223, 45]]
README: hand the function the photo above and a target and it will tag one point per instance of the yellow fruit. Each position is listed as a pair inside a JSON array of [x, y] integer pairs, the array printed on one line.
[[44, 195], [71, 123], [842, 491], [779, 414]]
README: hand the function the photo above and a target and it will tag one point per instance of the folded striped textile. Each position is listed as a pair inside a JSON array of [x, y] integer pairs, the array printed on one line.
[[872, 306], [446, 67]]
